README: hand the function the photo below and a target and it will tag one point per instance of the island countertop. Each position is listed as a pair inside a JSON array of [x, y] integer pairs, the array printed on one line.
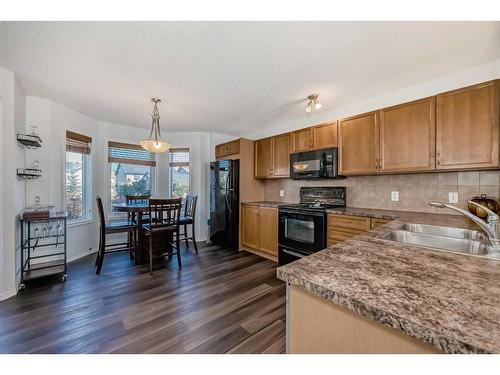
[[448, 300]]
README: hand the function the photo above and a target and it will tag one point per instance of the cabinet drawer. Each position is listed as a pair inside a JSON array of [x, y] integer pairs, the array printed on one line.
[[349, 222], [342, 234], [378, 222]]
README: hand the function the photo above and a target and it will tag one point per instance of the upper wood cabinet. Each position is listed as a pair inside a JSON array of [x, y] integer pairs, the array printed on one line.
[[281, 148], [407, 137], [263, 158], [325, 136], [227, 149], [467, 122], [272, 156], [302, 140], [358, 140]]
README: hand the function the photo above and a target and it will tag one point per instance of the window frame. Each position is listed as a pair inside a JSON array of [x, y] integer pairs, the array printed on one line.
[[170, 179], [87, 207], [116, 215]]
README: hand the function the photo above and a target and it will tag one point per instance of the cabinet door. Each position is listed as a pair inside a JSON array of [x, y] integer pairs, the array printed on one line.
[[302, 140], [325, 135], [250, 226], [219, 151], [467, 123], [358, 140], [407, 137], [234, 147], [268, 238], [263, 166], [282, 145]]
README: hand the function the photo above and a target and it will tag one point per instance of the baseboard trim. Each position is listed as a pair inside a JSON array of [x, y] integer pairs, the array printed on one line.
[[260, 253], [81, 255], [7, 295]]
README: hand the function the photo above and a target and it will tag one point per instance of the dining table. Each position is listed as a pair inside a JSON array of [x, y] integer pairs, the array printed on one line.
[[138, 209]]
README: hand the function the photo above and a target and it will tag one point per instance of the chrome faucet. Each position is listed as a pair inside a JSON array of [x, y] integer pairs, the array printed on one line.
[[491, 226]]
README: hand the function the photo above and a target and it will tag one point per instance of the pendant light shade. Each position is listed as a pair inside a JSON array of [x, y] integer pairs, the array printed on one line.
[[155, 143]]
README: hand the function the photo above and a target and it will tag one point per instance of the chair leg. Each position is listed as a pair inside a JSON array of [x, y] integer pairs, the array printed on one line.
[[100, 257], [150, 253], [194, 239], [186, 235], [178, 250], [98, 249], [132, 247]]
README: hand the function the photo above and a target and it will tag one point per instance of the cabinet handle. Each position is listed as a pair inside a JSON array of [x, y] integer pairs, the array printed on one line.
[[439, 158]]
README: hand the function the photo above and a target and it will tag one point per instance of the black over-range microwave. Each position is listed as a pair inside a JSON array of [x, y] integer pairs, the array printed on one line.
[[315, 164]]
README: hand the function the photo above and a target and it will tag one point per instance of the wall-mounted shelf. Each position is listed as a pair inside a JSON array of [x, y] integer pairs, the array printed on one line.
[[31, 141], [28, 173]]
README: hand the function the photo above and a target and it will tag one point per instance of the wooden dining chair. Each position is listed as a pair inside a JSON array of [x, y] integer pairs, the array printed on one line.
[[187, 218], [112, 228], [136, 199], [164, 219]]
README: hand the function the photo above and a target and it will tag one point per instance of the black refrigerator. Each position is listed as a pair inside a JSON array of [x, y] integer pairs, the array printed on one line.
[[225, 203]]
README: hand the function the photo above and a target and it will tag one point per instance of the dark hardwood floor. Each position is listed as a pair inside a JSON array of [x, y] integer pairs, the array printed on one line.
[[220, 302]]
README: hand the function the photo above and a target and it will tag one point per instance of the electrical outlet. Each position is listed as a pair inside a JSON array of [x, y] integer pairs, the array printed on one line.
[[453, 197], [395, 196], [282, 193]]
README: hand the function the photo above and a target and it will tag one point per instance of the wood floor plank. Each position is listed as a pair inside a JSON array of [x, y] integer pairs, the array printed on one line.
[[221, 301]]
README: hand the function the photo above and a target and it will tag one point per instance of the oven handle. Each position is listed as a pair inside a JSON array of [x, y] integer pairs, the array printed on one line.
[[293, 253]]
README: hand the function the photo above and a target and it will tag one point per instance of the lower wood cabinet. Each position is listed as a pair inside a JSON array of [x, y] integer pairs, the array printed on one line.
[[260, 229], [344, 227]]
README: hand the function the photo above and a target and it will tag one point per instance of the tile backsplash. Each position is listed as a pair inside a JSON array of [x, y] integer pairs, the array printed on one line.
[[415, 190]]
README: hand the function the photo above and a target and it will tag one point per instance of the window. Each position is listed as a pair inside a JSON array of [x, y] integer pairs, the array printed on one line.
[[78, 177], [132, 170], [179, 172]]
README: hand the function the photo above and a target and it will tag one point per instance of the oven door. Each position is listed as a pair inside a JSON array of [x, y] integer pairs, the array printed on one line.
[[305, 232]]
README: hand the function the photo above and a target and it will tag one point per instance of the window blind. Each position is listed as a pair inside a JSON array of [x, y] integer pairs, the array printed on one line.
[[129, 154], [179, 157], [78, 142]]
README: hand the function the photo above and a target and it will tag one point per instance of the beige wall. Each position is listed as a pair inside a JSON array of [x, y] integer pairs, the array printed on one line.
[[415, 190]]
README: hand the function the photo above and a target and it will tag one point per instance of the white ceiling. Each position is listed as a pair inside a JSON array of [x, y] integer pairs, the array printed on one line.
[[232, 77]]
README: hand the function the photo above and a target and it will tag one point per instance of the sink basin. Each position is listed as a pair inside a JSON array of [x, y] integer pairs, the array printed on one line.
[[444, 231], [440, 242]]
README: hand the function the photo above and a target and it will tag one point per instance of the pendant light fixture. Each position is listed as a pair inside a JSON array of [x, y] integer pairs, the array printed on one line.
[[154, 143], [313, 104]]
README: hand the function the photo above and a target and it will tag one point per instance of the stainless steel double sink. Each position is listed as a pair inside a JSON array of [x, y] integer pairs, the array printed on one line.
[[464, 241]]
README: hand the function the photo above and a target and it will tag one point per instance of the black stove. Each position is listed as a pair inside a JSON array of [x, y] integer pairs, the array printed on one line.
[[319, 198], [303, 226]]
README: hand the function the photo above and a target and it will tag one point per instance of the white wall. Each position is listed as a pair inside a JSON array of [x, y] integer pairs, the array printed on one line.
[[12, 96]]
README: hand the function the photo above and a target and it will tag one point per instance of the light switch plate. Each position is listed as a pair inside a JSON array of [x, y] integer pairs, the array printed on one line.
[[395, 196], [282, 193], [453, 197]]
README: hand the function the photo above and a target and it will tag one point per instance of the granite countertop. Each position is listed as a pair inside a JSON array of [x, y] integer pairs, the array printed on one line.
[[265, 203], [448, 300]]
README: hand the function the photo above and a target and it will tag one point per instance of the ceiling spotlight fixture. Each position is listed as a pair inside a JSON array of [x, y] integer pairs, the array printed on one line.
[[313, 104], [154, 143]]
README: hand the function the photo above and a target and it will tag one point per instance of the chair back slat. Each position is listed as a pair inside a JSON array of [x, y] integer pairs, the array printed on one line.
[[100, 210], [135, 199], [190, 206], [164, 212]]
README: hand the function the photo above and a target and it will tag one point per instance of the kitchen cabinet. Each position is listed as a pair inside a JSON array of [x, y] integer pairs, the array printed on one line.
[[281, 148], [467, 127], [250, 227], [260, 229], [344, 227], [358, 140], [263, 155], [407, 137], [302, 140], [325, 136], [227, 149]]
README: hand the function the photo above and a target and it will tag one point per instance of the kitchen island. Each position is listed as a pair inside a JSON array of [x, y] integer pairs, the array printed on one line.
[[368, 295]]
